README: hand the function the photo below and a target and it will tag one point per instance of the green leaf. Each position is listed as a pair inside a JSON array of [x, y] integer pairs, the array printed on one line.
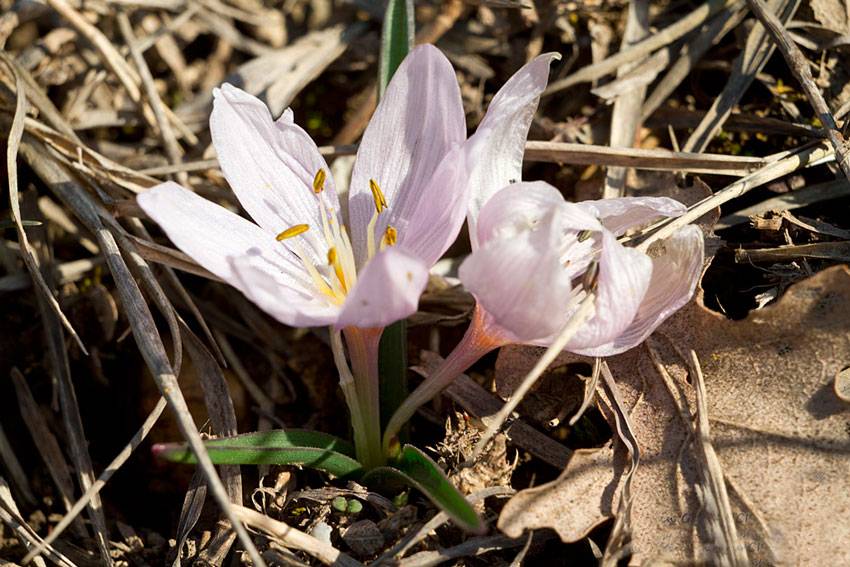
[[396, 39], [288, 438], [414, 468], [291, 447], [392, 365]]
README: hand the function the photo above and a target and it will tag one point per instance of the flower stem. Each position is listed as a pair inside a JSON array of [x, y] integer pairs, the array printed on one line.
[[352, 400], [584, 312], [476, 342], [363, 347]]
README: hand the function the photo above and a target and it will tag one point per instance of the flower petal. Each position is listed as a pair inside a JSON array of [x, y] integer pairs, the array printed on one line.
[[675, 274], [270, 165], [428, 221], [520, 282], [619, 215], [211, 234], [624, 276], [387, 290], [419, 120], [524, 205], [502, 134], [266, 286]]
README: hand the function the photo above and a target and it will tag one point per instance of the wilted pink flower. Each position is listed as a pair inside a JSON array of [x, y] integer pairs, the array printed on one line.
[[534, 248], [534, 255], [297, 260]]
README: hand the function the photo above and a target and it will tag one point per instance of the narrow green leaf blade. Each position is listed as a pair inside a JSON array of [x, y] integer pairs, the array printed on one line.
[[286, 438], [414, 468], [392, 364], [396, 39], [290, 447]]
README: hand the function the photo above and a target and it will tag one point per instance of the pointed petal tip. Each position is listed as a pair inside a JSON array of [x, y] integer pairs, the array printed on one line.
[[387, 290]]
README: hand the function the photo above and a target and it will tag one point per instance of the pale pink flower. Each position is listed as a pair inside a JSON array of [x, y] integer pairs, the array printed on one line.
[[534, 255], [534, 248], [297, 260]]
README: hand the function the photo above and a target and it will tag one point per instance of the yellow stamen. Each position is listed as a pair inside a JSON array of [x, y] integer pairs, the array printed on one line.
[[293, 231], [378, 196], [333, 260], [390, 236], [319, 181]]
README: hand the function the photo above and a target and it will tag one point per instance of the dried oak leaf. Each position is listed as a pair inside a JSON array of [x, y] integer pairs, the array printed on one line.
[[781, 432], [832, 14]]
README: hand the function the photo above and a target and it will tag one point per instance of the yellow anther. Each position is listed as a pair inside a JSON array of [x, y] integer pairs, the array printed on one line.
[[378, 196], [293, 231], [390, 236], [319, 181], [333, 261]]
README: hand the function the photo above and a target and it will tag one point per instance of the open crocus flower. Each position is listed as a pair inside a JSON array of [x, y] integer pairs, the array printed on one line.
[[537, 256], [299, 262], [407, 201]]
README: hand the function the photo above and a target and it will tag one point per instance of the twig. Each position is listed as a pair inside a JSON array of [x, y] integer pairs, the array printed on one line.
[[46, 444], [626, 115], [470, 548], [101, 481], [621, 531], [691, 53], [584, 312], [438, 520], [27, 253], [589, 391], [654, 159], [11, 516], [640, 158], [116, 63], [788, 201], [803, 157], [169, 140], [821, 250], [731, 552], [480, 403], [800, 67], [642, 49], [294, 538], [756, 52]]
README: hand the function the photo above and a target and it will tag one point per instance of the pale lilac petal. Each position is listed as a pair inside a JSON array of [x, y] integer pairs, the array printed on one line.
[[502, 134], [429, 221], [520, 282], [624, 276], [675, 273], [524, 205], [419, 120], [387, 290], [266, 287], [270, 165], [211, 235], [619, 215]]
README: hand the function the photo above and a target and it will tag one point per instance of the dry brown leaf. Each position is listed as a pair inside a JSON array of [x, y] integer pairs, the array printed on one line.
[[831, 14], [572, 504], [781, 433]]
